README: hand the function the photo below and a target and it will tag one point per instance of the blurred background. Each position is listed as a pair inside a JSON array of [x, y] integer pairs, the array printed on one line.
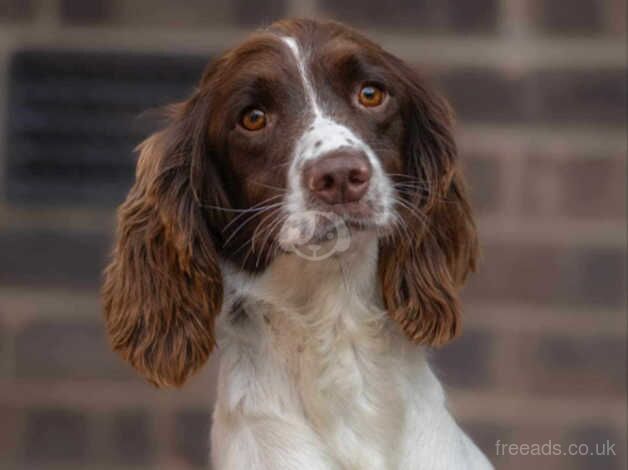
[[539, 86]]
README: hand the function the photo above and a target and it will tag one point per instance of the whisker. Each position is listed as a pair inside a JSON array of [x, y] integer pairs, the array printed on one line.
[[400, 227], [251, 240], [412, 191], [261, 210], [259, 226], [269, 186], [422, 218], [254, 208], [269, 232], [404, 175], [229, 209], [276, 247], [246, 221], [251, 243], [413, 184]]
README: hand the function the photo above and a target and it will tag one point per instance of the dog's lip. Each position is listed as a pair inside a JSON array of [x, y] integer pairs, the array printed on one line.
[[353, 224], [357, 216], [360, 211], [360, 225], [353, 210]]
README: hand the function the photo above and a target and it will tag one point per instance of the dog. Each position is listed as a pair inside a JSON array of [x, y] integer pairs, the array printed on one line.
[[303, 213]]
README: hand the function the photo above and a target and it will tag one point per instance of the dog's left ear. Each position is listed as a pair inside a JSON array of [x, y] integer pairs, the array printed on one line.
[[422, 269]]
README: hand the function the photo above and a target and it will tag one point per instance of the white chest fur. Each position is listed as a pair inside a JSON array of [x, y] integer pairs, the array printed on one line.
[[314, 375]]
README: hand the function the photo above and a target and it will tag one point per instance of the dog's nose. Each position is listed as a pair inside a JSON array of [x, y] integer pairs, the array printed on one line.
[[339, 177]]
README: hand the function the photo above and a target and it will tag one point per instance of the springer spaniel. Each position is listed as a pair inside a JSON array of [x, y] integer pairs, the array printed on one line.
[[305, 210]]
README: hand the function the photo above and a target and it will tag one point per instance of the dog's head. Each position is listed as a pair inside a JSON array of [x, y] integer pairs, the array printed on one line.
[[303, 118]]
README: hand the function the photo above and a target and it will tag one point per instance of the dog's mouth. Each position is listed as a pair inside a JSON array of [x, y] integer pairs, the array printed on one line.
[[353, 212], [318, 234], [329, 231]]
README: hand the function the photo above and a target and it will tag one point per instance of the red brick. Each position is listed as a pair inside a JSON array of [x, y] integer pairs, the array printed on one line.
[[466, 361], [581, 17], [131, 435], [544, 274], [55, 436], [258, 13], [618, 17], [85, 11], [420, 14], [575, 366], [67, 349], [52, 258], [10, 427], [455, 15], [580, 96], [192, 436], [484, 94], [16, 10], [594, 277], [483, 178], [512, 272], [577, 187], [486, 434], [473, 17], [594, 188], [4, 359]]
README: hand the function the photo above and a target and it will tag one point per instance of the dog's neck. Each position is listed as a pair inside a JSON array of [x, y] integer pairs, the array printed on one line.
[[290, 281], [312, 339], [310, 305], [316, 325]]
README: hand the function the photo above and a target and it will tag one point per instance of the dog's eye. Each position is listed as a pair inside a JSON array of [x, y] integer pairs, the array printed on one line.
[[253, 119], [371, 96]]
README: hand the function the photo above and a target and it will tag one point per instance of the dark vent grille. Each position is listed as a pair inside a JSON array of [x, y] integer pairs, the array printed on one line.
[[74, 119]]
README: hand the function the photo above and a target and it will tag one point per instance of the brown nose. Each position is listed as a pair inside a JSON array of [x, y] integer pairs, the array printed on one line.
[[338, 177]]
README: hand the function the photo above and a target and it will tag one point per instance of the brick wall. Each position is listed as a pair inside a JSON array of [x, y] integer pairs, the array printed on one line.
[[540, 92]]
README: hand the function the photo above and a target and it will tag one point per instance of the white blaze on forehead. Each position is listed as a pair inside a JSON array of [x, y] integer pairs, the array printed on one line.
[[307, 85]]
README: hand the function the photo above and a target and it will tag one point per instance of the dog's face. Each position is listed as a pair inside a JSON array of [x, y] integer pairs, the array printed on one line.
[[303, 118], [302, 122]]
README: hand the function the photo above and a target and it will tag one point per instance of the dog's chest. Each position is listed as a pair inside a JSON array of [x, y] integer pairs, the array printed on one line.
[[343, 371]]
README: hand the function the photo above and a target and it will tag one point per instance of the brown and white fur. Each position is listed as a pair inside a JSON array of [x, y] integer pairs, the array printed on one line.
[[322, 361]]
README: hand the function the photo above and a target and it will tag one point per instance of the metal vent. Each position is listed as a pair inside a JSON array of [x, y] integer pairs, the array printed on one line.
[[74, 119]]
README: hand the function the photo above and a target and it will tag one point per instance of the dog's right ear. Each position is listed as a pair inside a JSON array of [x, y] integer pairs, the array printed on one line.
[[163, 287]]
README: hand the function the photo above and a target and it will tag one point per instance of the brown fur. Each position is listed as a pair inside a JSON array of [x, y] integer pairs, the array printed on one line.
[[163, 287], [420, 276]]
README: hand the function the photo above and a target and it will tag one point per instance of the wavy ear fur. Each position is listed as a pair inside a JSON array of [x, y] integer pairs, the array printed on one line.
[[420, 277], [163, 287]]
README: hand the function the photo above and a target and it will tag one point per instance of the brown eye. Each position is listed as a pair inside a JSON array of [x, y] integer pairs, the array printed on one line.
[[253, 119], [371, 96]]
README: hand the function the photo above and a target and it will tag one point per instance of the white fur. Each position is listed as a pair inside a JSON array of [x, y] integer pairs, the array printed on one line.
[[314, 375]]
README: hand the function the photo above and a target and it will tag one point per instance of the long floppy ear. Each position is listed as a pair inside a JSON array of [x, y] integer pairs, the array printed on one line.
[[163, 287], [421, 272]]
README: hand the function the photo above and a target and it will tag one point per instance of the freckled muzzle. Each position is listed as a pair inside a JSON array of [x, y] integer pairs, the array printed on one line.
[[333, 170]]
